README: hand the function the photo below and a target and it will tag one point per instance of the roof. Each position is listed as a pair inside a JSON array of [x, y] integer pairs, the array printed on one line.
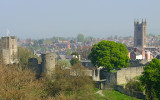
[[137, 53]]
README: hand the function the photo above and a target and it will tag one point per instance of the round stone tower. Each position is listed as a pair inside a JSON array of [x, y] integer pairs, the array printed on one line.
[[49, 61]]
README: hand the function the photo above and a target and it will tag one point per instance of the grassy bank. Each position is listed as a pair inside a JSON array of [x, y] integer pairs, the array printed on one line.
[[113, 95]]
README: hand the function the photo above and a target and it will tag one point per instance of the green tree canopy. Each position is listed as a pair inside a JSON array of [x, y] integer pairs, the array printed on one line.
[[75, 53], [74, 61], [109, 54], [80, 38], [24, 54], [64, 63], [151, 79], [20, 84], [134, 85]]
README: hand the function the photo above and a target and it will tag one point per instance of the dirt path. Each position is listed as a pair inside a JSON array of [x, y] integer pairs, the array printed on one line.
[[100, 92]]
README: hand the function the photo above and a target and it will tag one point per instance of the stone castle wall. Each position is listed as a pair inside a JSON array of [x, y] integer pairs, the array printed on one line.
[[6, 56], [126, 74], [123, 75], [33, 64]]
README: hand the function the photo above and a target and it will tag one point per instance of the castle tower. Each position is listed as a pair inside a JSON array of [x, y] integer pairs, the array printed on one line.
[[8, 49], [140, 34], [49, 61]]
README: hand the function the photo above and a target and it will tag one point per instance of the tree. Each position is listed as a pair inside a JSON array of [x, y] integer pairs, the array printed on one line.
[[20, 84], [109, 54], [134, 85], [80, 38], [64, 63], [74, 61], [1, 58], [68, 52], [84, 52], [151, 78], [75, 53], [41, 41], [24, 54], [74, 83]]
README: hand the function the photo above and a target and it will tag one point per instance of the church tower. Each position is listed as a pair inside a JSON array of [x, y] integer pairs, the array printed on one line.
[[140, 34]]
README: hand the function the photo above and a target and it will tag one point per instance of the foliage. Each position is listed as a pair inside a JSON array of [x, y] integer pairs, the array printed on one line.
[[24, 54], [1, 58], [74, 61], [64, 63], [75, 53], [80, 38], [134, 85], [68, 52], [16, 84], [76, 85], [89, 40], [41, 41], [109, 54], [84, 52], [115, 95], [151, 78]]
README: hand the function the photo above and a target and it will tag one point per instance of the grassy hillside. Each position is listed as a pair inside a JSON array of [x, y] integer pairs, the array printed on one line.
[[113, 95]]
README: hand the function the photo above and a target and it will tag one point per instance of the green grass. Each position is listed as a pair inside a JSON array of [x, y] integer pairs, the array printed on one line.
[[112, 71], [99, 97], [113, 95], [95, 89]]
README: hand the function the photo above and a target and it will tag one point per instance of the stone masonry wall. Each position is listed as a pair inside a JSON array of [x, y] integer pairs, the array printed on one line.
[[123, 75], [128, 73], [8, 48]]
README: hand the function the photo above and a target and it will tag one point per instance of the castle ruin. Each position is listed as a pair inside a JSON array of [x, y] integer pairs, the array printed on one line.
[[8, 49], [48, 63]]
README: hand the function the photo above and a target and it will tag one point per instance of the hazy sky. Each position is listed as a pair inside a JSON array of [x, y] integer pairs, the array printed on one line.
[[97, 18]]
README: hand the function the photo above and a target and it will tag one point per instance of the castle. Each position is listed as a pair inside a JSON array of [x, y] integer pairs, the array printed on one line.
[[47, 65], [9, 54], [8, 49], [140, 34]]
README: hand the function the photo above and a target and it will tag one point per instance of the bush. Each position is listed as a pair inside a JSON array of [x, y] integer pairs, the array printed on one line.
[[135, 85], [16, 84], [71, 83]]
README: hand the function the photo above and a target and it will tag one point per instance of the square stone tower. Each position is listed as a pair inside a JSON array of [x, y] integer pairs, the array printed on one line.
[[140, 34], [8, 49]]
